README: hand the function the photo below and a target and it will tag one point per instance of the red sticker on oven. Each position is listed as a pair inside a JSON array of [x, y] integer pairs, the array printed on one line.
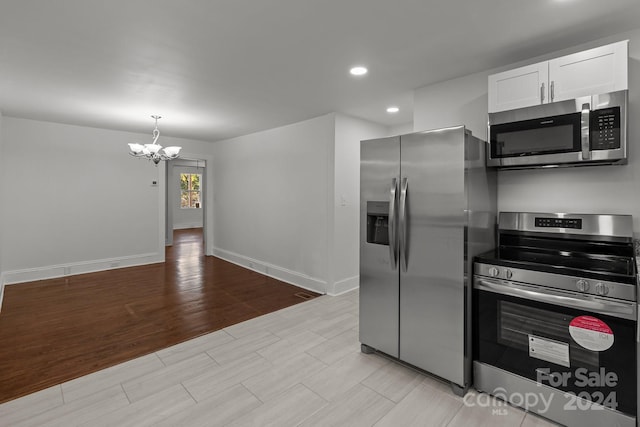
[[591, 333]]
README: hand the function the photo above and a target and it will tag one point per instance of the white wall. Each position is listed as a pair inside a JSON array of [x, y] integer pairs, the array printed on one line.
[[287, 200], [344, 244], [597, 189], [461, 101], [184, 218], [277, 200], [271, 206], [76, 201], [401, 129]]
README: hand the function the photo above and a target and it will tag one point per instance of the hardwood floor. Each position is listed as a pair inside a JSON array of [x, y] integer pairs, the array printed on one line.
[[299, 366], [52, 331]]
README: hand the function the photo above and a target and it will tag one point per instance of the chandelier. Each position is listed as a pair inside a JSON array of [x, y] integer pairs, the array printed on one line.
[[154, 151]]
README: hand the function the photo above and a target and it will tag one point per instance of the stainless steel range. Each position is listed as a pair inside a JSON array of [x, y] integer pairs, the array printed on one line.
[[556, 318]]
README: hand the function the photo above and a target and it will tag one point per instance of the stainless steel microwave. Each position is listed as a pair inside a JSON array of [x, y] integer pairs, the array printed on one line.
[[583, 131]]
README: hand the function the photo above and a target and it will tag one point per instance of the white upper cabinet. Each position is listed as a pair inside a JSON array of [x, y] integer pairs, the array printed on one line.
[[519, 88], [599, 70], [593, 71]]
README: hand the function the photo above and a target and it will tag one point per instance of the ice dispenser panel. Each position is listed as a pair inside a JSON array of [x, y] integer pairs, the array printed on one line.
[[378, 223]]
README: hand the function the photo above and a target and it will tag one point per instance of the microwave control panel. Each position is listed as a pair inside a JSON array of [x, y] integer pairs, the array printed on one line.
[[605, 129]]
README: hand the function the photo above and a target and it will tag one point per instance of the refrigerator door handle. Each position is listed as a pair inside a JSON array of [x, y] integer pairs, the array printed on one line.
[[393, 241], [402, 241]]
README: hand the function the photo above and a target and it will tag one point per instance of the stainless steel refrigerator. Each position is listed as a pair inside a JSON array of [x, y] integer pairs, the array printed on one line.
[[427, 206]]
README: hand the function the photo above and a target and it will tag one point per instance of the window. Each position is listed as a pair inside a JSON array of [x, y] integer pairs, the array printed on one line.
[[190, 190]]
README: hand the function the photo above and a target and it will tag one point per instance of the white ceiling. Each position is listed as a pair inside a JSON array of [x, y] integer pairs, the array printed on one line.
[[221, 68]]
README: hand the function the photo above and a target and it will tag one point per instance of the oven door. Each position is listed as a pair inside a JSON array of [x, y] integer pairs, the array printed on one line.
[[577, 343]]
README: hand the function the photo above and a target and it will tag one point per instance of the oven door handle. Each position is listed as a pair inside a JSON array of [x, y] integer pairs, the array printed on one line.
[[621, 309]]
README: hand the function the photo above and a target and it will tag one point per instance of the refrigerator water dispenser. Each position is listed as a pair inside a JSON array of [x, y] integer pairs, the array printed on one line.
[[378, 223]]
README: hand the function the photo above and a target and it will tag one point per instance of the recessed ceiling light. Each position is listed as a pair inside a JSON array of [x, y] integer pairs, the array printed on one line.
[[358, 71], [393, 110]]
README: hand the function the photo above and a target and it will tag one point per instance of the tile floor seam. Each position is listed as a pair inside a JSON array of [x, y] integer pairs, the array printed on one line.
[[189, 393], [160, 358], [453, 416], [209, 356], [61, 393], [125, 393], [311, 355], [345, 393], [249, 390], [60, 403], [172, 369], [378, 393], [228, 333], [326, 403]]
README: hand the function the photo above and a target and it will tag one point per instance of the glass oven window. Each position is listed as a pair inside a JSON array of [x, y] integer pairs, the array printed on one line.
[[518, 322]]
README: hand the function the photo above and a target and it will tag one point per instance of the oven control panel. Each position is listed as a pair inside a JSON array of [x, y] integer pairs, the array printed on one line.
[[599, 225], [574, 223]]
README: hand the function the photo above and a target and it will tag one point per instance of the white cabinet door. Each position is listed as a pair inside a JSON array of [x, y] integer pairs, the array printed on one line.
[[521, 87], [593, 71]]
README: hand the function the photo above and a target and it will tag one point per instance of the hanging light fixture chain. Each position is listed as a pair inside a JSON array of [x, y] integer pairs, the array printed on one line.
[[156, 131]]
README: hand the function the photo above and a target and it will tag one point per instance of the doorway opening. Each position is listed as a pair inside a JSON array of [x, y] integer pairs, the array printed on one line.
[[186, 204]]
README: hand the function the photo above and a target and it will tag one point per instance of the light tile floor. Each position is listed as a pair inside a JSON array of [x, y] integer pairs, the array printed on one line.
[[300, 366]]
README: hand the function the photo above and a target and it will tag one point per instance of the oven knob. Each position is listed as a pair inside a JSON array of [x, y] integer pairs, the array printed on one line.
[[582, 285], [508, 273], [494, 272], [602, 289]]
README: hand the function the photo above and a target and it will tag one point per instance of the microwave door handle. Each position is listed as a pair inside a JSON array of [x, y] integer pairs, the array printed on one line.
[[584, 131], [393, 241]]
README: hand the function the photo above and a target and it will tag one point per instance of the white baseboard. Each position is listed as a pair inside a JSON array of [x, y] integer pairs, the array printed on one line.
[[280, 273], [1, 289], [53, 271], [344, 286]]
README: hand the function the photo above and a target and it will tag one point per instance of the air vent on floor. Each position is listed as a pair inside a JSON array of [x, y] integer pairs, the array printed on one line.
[[303, 295]]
